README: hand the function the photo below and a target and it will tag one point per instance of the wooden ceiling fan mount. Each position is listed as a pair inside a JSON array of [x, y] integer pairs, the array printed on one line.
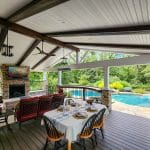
[[41, 50]]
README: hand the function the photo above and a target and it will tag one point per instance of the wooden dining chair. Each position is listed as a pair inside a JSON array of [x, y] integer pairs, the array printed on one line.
[[53, 135], [99, 123], [87, 131]]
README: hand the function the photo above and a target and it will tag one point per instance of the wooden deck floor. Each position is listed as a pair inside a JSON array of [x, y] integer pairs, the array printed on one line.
[[122, 132]]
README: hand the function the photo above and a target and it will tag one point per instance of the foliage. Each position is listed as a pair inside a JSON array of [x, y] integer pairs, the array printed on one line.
[[36, 81], [140, 90], [144, 86], [52, 82], [68, 94], [135, 76], [114, 78], [99, 84], [116, 85], [83, 80], [125, 84], [36, 85]]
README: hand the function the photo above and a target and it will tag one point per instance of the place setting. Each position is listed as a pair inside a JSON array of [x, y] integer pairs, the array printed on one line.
[[90, 106], [80, 115], [62, 108]]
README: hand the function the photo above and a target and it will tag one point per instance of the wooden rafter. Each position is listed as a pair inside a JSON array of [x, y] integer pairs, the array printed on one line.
[[3, 36], [144, 59], [28, 52], [34, 7], [113, 51], [112, 45], [46, 57], [138, 29], [34, 34]]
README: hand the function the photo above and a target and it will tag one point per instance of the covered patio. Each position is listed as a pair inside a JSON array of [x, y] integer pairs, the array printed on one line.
[[122, 131], [36, 35]]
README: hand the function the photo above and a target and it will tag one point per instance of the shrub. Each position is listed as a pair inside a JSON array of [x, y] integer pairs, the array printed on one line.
[[142, 86], [114, 79], [68, 94], [139, 90], [100, 84], [116, 85], [125, 84]]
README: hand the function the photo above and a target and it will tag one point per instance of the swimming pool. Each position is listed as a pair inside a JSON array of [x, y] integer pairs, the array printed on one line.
[[130, 99]]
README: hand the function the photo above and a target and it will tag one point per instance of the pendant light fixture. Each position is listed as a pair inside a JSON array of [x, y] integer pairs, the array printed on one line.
[[6, 49]]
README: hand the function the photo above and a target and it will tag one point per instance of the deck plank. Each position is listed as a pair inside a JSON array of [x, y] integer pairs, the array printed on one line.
[[122, 132]]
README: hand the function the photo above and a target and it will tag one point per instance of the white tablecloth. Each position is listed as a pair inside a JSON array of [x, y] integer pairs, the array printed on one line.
[[67, 124]]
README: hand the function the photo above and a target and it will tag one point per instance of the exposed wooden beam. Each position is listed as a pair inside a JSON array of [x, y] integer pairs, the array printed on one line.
[[3, 36], [112, 50], [34, 34], [34, 7], [111, 45], [28, 52], [143, 59], [46, 57], [137, 29]]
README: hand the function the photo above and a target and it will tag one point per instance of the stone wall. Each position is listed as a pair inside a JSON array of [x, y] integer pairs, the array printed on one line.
[[107, 98], [6, 82]]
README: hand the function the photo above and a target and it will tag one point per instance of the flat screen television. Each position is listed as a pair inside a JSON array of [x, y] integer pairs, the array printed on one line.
[[17, 72]]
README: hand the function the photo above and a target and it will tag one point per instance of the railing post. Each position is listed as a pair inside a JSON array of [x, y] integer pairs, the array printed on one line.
[[84, 94]]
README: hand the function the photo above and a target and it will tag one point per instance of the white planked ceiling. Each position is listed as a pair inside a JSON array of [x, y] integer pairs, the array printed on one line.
[[84, 14], [124, 39], [8, 7], [75, 15]]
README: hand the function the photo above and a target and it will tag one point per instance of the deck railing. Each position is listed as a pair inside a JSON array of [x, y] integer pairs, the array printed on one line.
[[84, 92]]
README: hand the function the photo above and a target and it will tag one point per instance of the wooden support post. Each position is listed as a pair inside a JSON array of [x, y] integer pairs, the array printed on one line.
[[59, 78], [84, 94]]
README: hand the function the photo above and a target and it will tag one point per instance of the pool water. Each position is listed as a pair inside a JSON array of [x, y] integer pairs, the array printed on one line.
[[130, 99]]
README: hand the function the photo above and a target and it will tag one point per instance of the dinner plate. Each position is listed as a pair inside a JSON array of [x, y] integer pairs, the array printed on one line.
[[92, 109], [80, 115]]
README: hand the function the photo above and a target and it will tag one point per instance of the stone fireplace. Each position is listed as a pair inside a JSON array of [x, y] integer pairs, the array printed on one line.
[[14, 87]]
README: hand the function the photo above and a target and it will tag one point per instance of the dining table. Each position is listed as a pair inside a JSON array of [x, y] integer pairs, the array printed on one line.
[[66, 122]]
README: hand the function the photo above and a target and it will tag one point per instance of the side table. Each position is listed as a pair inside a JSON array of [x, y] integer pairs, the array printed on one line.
[[4, 117]]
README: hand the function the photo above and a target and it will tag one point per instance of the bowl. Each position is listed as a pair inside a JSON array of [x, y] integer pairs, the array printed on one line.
[[90, 101]]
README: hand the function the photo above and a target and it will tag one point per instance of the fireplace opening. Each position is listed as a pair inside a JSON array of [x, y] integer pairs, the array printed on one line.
[[17, 90]]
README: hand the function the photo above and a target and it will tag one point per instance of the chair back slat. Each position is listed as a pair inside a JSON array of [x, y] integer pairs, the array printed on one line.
[[99, 117], [88, 126], [50, 128]]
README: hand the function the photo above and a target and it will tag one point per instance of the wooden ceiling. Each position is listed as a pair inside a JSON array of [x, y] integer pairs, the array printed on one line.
[[73, 24]]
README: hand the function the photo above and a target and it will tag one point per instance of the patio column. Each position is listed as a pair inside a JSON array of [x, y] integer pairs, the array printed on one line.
[[77, 57], [106, 93], [59, 77], [45, 82], [106, 77]]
